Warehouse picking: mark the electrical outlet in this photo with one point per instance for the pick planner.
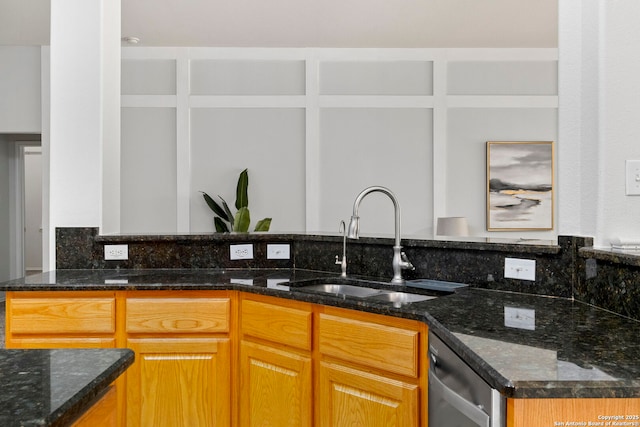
(516, 268)
(280, 251)
(241, 251)
(633, 177)
(116, 252)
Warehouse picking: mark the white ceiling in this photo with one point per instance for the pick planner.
(310, 23)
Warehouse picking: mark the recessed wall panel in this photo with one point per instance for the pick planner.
(362, 147)
(148, 170)
(247, 77)
(148, 77)
(267, 141)
(376, 78)
(502, 78)
(468, 131)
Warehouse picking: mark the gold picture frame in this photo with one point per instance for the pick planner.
(520, 185)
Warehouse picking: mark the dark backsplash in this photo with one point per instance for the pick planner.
(568, 269)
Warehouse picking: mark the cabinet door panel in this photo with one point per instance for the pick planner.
(349, 397)
(38, 316)
(275, 387)
(371, 344)
(284, 325)
(179, 382)
(178, 315)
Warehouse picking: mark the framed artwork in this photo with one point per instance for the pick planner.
(519, 185)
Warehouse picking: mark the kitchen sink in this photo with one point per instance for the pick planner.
(397, 298)
(341, 290)
(400, 297)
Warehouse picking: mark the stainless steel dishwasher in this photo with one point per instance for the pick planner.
(458, 397)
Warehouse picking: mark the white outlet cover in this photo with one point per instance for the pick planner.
(278, 251)
(116, 252)
(517, 268)
(237, 252)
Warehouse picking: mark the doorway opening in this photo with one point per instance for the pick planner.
(27, 215)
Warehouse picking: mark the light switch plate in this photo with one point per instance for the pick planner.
(241, 251)
(632, 177)
(278, 251)
(517, 268)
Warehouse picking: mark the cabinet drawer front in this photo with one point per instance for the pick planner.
(371, 344)
(284, 325)
(62, 315)
(174, 315)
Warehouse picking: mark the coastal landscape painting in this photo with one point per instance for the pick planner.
(519, 185)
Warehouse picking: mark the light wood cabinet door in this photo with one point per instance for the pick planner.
(178, 382)
(275, 387)
(377, 345)
(62, 319)
(351, 397)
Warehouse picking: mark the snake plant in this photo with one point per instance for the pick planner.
(225, 221)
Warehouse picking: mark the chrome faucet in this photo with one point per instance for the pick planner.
(400, 261)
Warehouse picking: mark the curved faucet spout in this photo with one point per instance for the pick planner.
(354, 224)
(400, 260)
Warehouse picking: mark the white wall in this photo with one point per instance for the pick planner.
(83, 125)
(316, 126)
(599, 124)
(20, 97)
(620, 118)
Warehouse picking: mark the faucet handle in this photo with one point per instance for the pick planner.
(405, 263)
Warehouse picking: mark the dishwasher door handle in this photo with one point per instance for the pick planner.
(470, 410)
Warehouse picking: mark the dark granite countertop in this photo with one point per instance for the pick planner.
(54, 387)
(546, 347)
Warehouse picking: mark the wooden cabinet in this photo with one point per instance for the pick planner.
(179, 382)
(182, 372)
(222, 358)
(565, 412)
(60, 320)
(355, 397)
(370, 370)
(275, 363)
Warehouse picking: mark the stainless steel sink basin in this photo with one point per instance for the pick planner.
(400, 298)
(342, 289)
(397, 298)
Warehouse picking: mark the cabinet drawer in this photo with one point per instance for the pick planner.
(62, 315)
(175, 315)
(284, 325)
(378, 346)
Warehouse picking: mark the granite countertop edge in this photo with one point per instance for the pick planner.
(83, 400)
(416, 311)
(72, 403)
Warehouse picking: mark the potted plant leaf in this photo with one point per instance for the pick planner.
(225, 221)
